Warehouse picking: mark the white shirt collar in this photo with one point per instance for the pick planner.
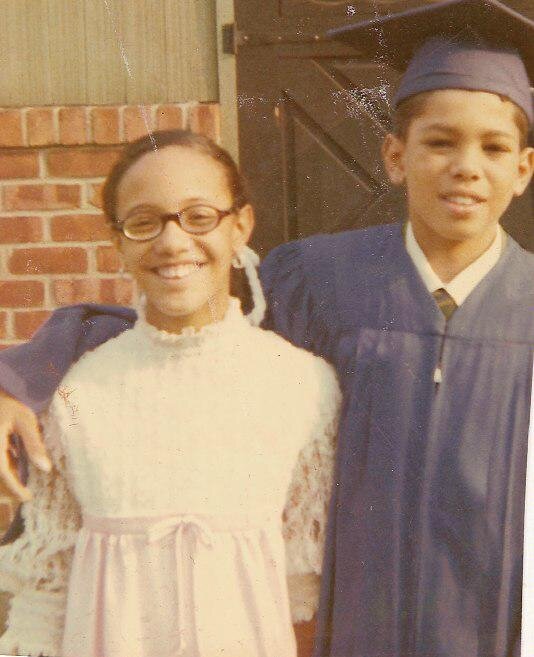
(461, 286)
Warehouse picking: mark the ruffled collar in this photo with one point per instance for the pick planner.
(190, 338)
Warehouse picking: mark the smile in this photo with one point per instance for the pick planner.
(463, 199)
(177, 272)
(462, 203)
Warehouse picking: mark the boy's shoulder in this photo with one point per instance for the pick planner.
(519, 254)
(369, 242)
(518, 273)
(320, 260)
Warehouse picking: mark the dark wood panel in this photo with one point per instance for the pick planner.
(337, 10)
(324, 195)
(316, 16)
(260, 140)
(346, 113)
(306, 18)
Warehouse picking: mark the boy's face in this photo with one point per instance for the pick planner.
(461, 163)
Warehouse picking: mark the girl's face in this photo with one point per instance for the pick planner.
(462, 164)
(185, 277)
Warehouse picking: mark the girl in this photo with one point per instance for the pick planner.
(177, 445)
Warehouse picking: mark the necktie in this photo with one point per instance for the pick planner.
(446, 303)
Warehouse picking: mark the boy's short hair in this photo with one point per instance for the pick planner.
(413, 107)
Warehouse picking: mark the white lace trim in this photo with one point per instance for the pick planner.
(35, 568)
(306, 510)
(36, 622)
(190, 337)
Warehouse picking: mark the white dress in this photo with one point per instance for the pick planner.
(192, 474)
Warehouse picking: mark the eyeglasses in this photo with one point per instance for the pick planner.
(144, 225)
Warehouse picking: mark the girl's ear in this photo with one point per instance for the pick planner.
(115, 237)
(392, 152)
(114, 234)
(243, 226)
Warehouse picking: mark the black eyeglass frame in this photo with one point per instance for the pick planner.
(178, 216)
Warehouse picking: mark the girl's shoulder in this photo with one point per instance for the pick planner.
(306, 385)
(107, 357)
(297, 363)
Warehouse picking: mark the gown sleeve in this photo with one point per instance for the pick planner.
(35, 568)
(307, 503)
(298, 284)
(31, 372)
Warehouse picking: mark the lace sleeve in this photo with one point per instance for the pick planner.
(35, 568)
(306, 511)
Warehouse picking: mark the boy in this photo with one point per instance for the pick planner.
(431, 329)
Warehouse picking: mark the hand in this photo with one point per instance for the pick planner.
(15, 417)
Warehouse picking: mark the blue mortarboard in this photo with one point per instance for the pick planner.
(479, 45)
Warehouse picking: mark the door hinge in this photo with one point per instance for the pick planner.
(229, 41)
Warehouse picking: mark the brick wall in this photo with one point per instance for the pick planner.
(54, 243)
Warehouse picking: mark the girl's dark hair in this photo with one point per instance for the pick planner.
(161, 139)
(413, 107)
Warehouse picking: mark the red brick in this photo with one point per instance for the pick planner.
(20, 229)
(72, 128)
(3, 328)
(27, 322)
(19, 294)
(11, 128)
(84, 290)
(116, 290)
(135, 122)
(19, 164)
(95, 191)
(40, 127)
(107, 259)
(105, 124)
(170, 117)
(79, 162)
(41, 197)
(204, 118)
(48, 260)
(79, 228)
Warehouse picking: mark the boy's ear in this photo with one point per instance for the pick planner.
(392, 152)
(526, 168)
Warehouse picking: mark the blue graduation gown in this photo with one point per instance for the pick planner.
(32, 371)
(424, 549)
(424, 546)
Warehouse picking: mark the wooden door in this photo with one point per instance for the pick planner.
(312, 115)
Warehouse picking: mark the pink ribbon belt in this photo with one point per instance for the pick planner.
(190, 531)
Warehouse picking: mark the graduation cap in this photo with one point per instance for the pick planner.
(479, 45)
